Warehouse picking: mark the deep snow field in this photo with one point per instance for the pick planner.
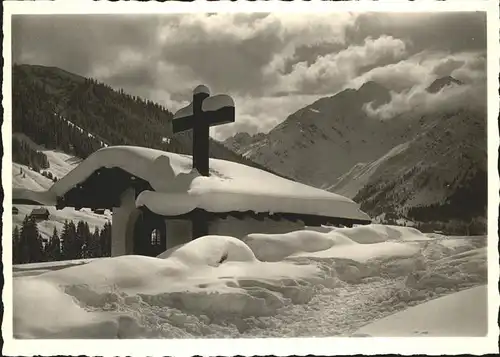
(329, 282)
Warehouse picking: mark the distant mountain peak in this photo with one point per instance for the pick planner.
(374, 92)
(370, 86)
(442, 82)
(242, 139)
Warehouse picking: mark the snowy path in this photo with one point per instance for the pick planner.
(330, 313)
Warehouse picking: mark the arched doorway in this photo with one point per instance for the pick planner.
(150, 235)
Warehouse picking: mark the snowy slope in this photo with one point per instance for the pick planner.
(59, 165)
(355, 179)
(335, 131)
(223, 287)
(58, 217)
(81, 130)
(445, 162)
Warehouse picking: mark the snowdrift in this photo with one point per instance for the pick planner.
(360, 243)
(461, 314)
(211, 277)
(211, 250)
(231, 186)
(303, 283)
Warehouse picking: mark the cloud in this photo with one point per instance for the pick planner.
(408, 80)
(272, 64)
(77, 43)
(246, 58)
(438, 31)
(419, 100)
(446, 67)
(331, 72)
(424, 67)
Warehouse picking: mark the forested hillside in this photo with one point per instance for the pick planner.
(23, 153)
(77, 115)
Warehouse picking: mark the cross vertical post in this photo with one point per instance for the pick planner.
(202, 113)
(200, 134)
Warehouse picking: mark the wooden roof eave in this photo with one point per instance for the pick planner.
(309, 220)
(89, 193)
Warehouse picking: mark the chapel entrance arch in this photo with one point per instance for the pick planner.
(150, 234)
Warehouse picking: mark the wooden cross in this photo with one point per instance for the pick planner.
(202, 113)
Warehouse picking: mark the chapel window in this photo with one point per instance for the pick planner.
(155, 237)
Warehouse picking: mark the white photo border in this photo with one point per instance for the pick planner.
(268, 346)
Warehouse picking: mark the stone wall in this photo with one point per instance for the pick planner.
(239, 228)
(123, 223)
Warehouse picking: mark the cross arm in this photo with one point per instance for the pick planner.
(221, 116)
(182, 124)
(183, 119)
(219, 109)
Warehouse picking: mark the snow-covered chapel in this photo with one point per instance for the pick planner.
(161, 199)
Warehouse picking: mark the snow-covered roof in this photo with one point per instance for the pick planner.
(40, 211)
(177, 189)
(26, 196)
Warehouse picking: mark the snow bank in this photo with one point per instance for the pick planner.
(375, 233)
(315, 284)
(365, 252)
(360, 243)
(211, 250)
(211, 277)
(275, 247)
(39, 268)
(460, 314)
(231, 186)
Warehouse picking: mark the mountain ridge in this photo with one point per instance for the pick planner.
(400, 165)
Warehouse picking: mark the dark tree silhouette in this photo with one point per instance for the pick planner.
(30, 243)
(53, 249)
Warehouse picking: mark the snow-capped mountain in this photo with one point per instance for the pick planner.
(335, 131)
(240, 141)
(443, 82)
(410, 160)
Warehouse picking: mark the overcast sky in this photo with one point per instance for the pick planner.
(271, 64)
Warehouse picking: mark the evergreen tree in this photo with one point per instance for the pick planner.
(72, 245)
(105, 240)
(31, 247)
(22, 153)
(16, 253)
(94, 245)
(80, 238)
(53, 249)
(44, 244)
(65, 241)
